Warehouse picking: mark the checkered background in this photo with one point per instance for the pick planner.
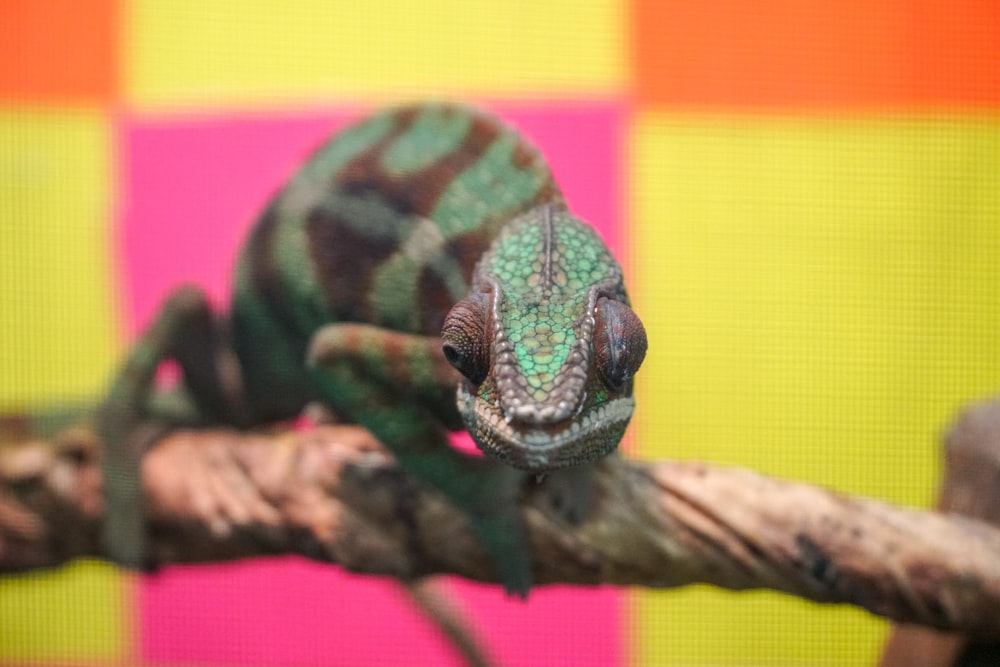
(806, 197)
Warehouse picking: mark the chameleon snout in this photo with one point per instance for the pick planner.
(545, 447)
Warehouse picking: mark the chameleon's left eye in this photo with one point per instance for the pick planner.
(464, 340)
(619, 342)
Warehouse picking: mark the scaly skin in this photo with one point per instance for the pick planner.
(422, 240)
(551, 398)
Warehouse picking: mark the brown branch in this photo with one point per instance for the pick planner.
(332, 494)
(971, 487)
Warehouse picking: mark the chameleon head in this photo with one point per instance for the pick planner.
(547, 345)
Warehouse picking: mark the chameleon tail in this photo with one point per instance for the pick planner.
(436, 605)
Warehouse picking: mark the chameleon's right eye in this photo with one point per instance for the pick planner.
(464, 339)
(619, 342)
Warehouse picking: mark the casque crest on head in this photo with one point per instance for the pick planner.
(547, 343)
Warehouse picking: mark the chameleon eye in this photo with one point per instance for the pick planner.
(464, 340)
(619, 342)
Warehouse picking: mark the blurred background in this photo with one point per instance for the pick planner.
(806, 198)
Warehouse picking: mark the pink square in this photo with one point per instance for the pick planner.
(191, 189)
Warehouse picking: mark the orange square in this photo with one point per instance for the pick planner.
(58, 50)
(787, 54)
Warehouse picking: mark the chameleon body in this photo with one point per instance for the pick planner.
(422, 250)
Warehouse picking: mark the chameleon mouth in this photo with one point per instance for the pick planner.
(585, 438)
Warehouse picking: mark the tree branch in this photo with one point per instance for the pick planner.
(334, 495)
(971, 487)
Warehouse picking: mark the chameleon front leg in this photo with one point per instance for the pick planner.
(401, 388)
(134, 414)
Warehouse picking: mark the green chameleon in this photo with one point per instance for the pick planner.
(419, 274)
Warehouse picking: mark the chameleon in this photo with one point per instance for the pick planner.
(419, 274)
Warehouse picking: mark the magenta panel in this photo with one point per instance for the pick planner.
(558, 625)
(282, 612)
(191, 188)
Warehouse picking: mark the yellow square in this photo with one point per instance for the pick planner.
(186, 52)
(70, 614)
(55, 303)
(821, 297)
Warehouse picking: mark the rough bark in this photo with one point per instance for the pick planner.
(971, 487)
(334, 495)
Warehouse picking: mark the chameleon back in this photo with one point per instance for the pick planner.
(382, 225)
